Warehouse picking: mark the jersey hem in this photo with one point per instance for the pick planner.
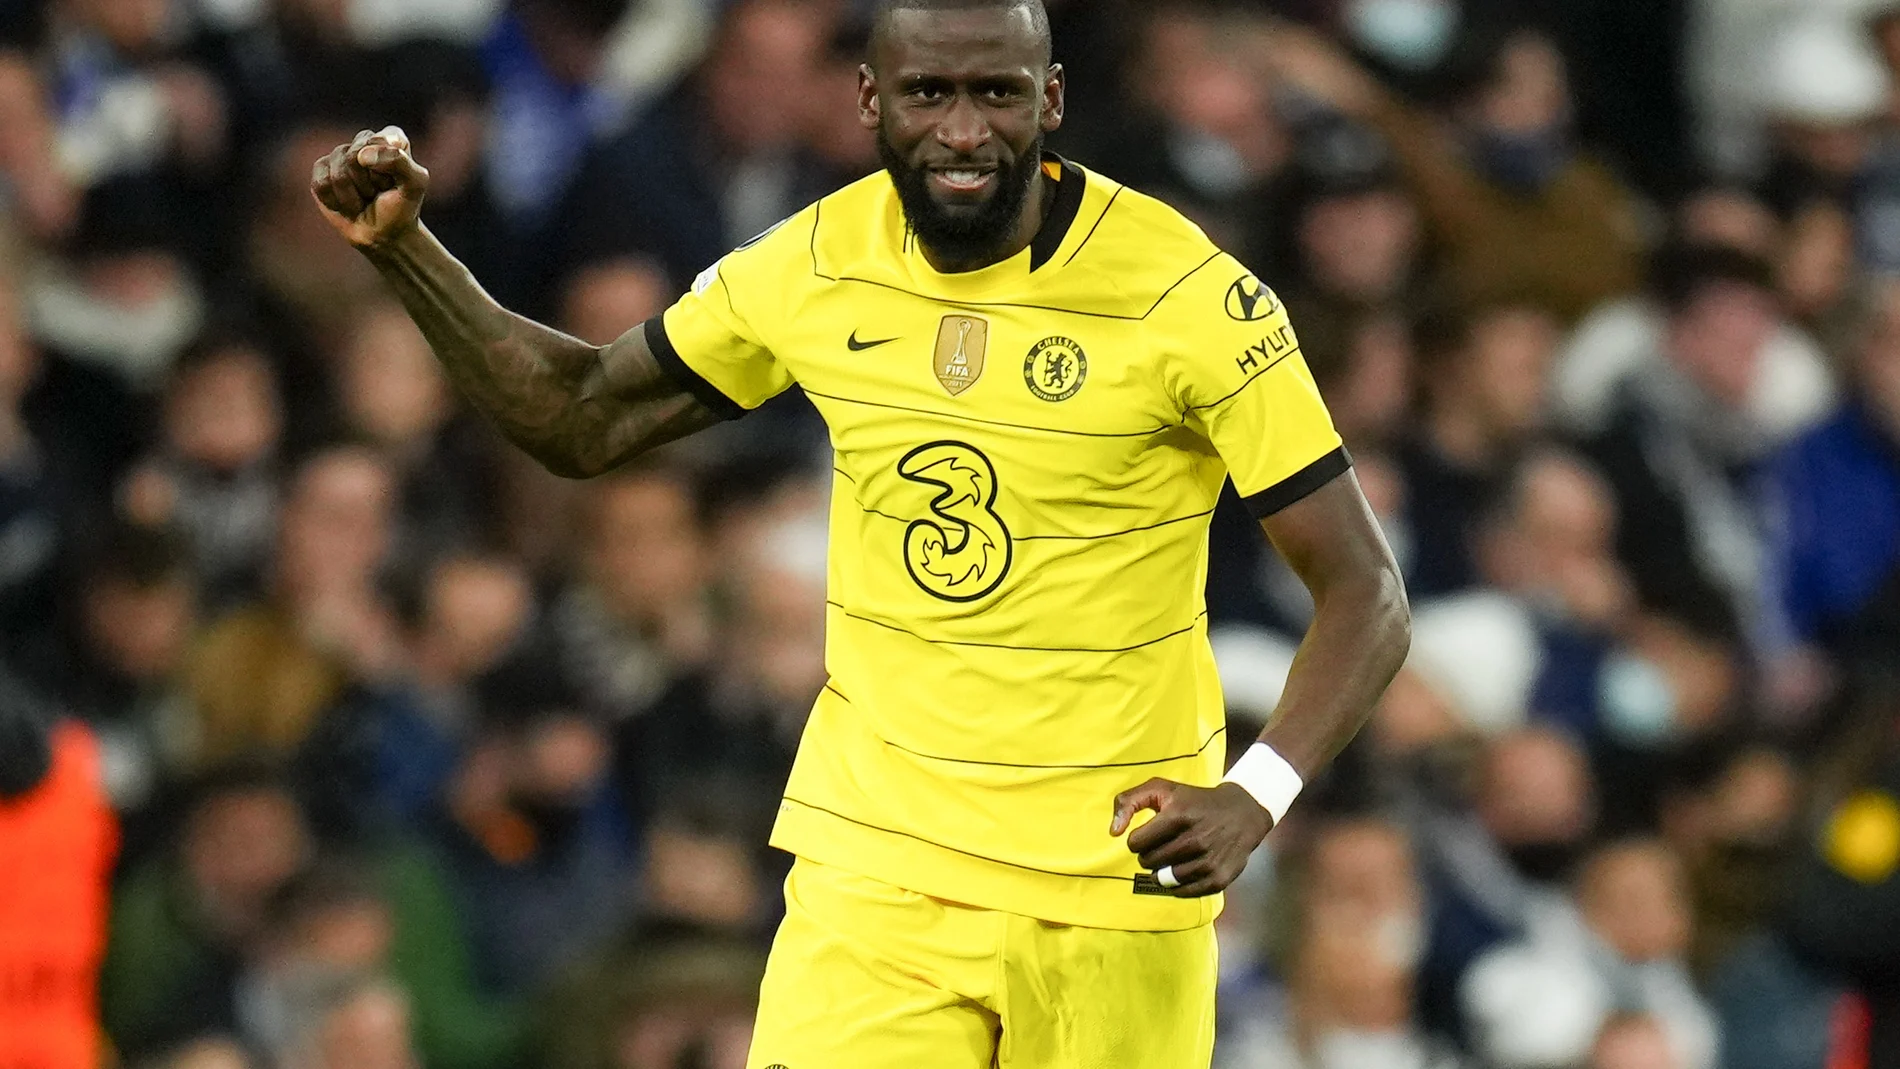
(676, 368)
(1299, 484)
(926, 868)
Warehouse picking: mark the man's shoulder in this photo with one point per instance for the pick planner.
(833, 228)
(1145, 248)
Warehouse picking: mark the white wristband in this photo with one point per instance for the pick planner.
(1266, 775)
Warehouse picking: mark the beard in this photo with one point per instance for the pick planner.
(962, 235)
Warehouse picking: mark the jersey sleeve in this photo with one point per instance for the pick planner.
(716, 340)
(1236, 374)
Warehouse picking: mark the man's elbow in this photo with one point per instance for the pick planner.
(1399, 604)
(568, 464)
(1391, 613)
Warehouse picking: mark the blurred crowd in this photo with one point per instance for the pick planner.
(336, 735)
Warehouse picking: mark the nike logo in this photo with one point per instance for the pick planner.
(857, 346)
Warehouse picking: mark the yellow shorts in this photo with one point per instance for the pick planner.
(864, 975)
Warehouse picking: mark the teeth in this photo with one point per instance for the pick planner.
(963, 177)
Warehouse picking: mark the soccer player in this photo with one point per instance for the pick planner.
(1037, 382)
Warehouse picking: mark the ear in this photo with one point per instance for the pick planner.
(870, 109)
(1054, 97)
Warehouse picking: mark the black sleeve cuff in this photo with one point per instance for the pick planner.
(1299, 484)
(685, 377)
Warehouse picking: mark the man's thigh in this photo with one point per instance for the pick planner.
(1089, 998)
(869, 976)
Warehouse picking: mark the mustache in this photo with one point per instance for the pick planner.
(966, 233)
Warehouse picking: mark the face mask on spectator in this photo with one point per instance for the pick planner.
(1547, 862)
(1638, 705)
(1348, 1049)
(1400, 938)
(556, 820)
(1521, 163)
(1412, 35)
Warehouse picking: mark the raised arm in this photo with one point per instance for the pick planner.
(579, 409)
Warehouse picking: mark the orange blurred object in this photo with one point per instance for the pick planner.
(57, 843)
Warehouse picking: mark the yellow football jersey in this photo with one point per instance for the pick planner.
(1027, 456)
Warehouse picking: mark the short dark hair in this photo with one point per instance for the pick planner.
(138, 557)
(595, 18)
(1680, 274)
(880, 21)
(1475, 64)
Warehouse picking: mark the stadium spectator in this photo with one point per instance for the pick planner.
(1492, 861)
(1794, 384)
(1364, 365)
(1202, 132)
(1815, 268)
(214, 477)
(111, 317)
(359, 1023)
(1484, 378)
(58, 837)
(1731, 812)
(118, 662)
(476, 612)
(1543, 1000)
(1356, 936)
(1836, 550)
(1682, 444)
(394, 397)
(127, 101)
(636, 614)
(1358, 234)
(1522, 214)
(263, 675)
(670, 996)
(42, 202)
(1827, 95)
(383, 918)
(1557, 617)
(603, 300)
(34, 500)
(534, 839)
(306, 60)
(183, 921)
(738, 721)
(719, 157)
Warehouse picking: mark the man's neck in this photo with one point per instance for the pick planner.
(1029, 222)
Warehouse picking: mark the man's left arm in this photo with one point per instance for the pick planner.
(1361, 630)
(1232, 365)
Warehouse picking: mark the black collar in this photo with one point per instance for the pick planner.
(1061, 214)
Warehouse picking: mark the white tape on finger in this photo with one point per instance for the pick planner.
(1165, 876)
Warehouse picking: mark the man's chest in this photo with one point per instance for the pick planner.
(1057, 422)
(879, 362)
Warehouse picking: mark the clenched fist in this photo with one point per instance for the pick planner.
(371, 189)
(1202, 836)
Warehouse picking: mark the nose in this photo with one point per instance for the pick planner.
(963, 129)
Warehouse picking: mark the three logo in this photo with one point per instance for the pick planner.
(961, 550)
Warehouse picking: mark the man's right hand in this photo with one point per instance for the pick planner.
(371, 189)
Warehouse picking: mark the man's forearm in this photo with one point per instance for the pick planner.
(1359, 636)
(575, 407)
